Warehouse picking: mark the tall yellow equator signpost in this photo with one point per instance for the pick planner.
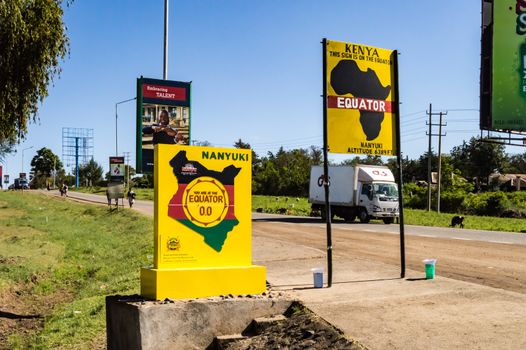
(360, 114)
(203, 224)
(359, 100)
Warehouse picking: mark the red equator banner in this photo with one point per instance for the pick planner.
(363, 104)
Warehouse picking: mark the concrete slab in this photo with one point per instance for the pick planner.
(183, 324)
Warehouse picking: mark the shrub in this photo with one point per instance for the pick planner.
(451, 201)
(415, 196)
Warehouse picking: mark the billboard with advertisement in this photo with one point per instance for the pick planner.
(360, 82)
(503, 65)
(163, 116)
(117, 169)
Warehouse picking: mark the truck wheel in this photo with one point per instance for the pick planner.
(324, 215)
(388, 221)
(364, 217)
(350, 218)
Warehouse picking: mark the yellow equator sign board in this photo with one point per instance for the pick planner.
(360, 84)
(203, 224)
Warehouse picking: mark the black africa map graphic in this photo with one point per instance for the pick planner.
(348, 78)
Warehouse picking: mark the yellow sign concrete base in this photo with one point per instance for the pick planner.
(186, 283)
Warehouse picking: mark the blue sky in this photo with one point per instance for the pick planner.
(256, 69)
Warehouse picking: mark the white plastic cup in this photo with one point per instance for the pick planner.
(317, 274)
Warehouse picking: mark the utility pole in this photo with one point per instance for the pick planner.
(429, 154)
(440, 125)
(25, 149)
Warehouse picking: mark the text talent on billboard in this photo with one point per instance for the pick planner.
(163, 117)
(503, 65)
(360, 81)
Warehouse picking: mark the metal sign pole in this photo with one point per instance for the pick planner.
(165, 52)
(326, 168)
(396, 114)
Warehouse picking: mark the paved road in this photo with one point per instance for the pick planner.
(422, 231)
(146, 207)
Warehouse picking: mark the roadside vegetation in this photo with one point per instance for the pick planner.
(59, 259)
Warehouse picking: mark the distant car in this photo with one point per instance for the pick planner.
(21, 184)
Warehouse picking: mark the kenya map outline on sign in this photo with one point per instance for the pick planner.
(187, 172)
(348, 78)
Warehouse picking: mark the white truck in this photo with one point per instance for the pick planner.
(363, 191)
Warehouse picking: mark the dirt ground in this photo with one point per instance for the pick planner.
(301, 329)
(22, 313)
(491, 264)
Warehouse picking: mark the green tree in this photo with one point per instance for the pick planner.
(478, 158)
(44, 162)
(286, 173)
(368, 160)
(516, 164)
(6, 147)
(144, 181)
(415, 170)
(32, 42)
(316, 155)
(42, 165)
(240, 144)
(256, 161)
(90, 173)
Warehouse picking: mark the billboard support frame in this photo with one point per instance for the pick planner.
(396, 112)
(328, 215)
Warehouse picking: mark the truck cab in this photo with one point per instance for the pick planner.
(380, 200)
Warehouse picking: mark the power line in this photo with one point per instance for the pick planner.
(413, 113)
(414, 139)
(413, 120)
(319, 137)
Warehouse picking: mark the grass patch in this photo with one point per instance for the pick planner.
(75, 252)
(491, 223)
(281, 205)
